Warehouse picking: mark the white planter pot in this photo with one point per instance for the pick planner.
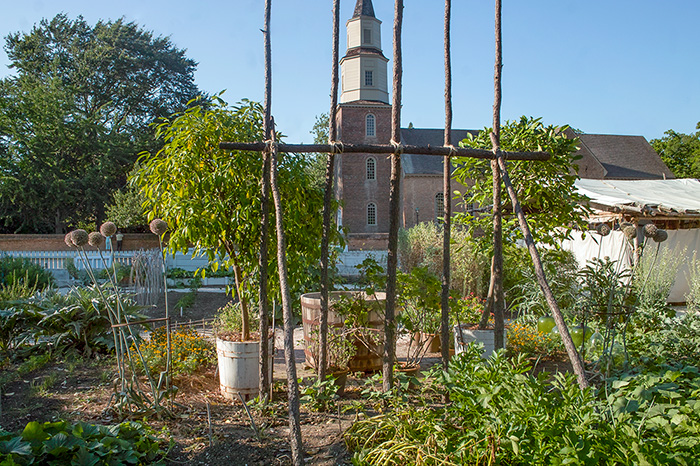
(464, 336)
(239, 368)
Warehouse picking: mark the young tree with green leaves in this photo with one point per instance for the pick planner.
(76, 113)
(680, 152)
(545, 189)
(211, 197)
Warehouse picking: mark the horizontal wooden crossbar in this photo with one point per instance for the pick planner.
(440, 151)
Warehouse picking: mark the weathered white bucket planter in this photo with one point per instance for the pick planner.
(239, 368)
(464, 336)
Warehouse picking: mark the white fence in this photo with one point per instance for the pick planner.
(349, 260)
(56, 260)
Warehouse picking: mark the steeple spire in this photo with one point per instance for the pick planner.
(364, 8)
(363, 69)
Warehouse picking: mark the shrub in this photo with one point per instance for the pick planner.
(190, 351)
(17, 269)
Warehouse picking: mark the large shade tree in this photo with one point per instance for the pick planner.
(211, 198)
(680, 152)
(76, 112)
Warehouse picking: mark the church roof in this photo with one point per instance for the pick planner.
(623, 157)
(364, 8)
(417, 164)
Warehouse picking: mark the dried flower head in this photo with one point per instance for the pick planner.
(630, 232)
(660, 236)
(650, 230)
(95, 239)
(108, 229)
(624, 225)
(79, 237)
(68, 240)
(603, 229)
(158, 227)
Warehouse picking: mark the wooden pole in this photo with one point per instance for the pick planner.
(327, 198)
(264, 382)
(447, 198)
(439, 151)
(289, 356)
(394, 205)
(496, 289)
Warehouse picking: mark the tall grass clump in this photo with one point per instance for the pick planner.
(421, 246)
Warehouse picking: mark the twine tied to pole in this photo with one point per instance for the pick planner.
(337, 147)
(398, 147)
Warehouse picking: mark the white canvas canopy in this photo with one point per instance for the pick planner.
(674, 198)
(646, 201)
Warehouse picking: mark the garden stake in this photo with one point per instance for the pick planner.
(209, 422)
(250, 417)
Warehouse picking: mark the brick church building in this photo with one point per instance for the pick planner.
(364, 117)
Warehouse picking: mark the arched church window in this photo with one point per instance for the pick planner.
(439, 206)
(371, 169)
(371, 213)
(370, 125)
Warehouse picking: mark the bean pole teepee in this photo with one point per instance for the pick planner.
(270, 149)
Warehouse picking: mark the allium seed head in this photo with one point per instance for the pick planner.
(650, 230)
(624, 225)
(95, 239)
(630, 232)
(158, 227)
(108, 229)
(68, 240)
(603, 229)
(660, 236)
(79, 237)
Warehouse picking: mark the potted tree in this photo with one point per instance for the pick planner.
(211, 198)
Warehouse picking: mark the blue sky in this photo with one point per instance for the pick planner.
(612, 67)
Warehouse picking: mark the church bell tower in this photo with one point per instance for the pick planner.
(364, 117)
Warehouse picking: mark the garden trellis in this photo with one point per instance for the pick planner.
(270, 148)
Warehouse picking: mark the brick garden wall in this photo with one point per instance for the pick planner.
(132, 241)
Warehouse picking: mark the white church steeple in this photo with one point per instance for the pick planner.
(363, 69)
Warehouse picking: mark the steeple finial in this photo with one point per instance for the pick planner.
(363, 8)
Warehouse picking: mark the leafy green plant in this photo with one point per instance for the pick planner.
(18, 324)
(322, 395)
(526, 296)
(229, 318)
(18, 269)
(82, 443)
(341, 348)
(78, 320)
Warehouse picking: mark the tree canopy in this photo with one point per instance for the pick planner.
(545, 189)
(680, 152)
(211, 198)
(77, 112)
